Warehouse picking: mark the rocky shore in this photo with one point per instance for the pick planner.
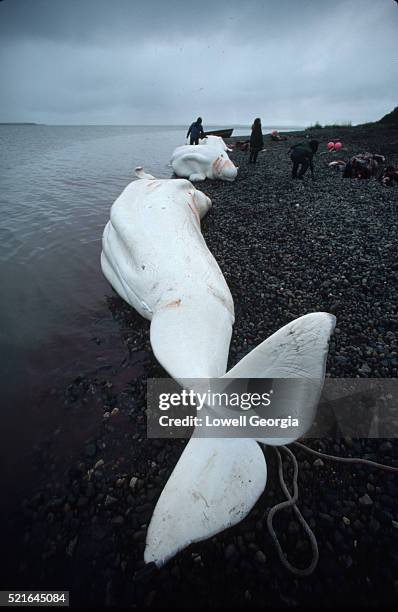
(286, 248)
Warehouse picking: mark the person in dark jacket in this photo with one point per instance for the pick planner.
(302, 157)
(196, 131)
(256, 141)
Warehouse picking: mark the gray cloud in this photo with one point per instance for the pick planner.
(122, 61)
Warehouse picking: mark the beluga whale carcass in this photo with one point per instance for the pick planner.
(155, 257)
(199, 162)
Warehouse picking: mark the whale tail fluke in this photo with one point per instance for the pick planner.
(214, 485)
(216, 482)
(296, 351)
(141, 174)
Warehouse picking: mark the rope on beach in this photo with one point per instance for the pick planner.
(292, 499)
(291, 502)
(374, 464)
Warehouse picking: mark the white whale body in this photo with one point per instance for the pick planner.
(155, 257)
(198, 162)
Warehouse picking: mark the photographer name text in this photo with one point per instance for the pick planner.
(240, 421)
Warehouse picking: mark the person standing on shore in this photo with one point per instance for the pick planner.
(196, 131)
(256, 141)
(301, 155)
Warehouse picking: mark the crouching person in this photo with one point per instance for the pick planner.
(302, 157)
(389, 176)
(363, 166)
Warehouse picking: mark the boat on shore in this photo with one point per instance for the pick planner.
(223, 133)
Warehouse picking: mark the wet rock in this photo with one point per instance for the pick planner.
(326, 519)
(70, 549)
(365, 369)
(82, 501)
(374, 525)
(133, 483)
(146, 573)
(347, 561)
(357, 525)
(293, 527)
(386, 447)
(231, 552)
(91, 450)
(260, 557)
(139, 536)
(110, 500)
(365, 500)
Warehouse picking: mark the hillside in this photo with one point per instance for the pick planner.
(390, 118)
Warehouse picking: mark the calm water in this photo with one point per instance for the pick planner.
(57, 185)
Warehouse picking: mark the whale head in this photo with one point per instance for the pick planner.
(224, 168)
(197, 200)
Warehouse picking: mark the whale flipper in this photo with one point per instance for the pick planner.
(297, 350)
(141, 174)
(196, 177)
(190, 164)
(214, 485)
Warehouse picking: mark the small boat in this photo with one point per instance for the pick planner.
(223, 133)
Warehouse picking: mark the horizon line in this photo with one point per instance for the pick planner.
(213, 125)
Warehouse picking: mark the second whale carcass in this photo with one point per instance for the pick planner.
(199, 162)
(154, 255)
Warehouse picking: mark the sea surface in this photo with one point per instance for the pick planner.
(57, 184)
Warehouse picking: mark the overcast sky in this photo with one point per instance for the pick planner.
(291, 62)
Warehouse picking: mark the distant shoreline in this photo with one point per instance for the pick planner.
(19, 123)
